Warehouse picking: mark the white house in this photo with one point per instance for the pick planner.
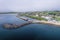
(47, 17)
(37, 15)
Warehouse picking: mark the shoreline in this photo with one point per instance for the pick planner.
(43, 22)
(48, 22)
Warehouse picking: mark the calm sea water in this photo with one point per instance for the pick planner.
(29, 32)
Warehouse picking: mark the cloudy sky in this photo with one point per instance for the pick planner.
(29, 5)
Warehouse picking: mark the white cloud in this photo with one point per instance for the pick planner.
(29, 5)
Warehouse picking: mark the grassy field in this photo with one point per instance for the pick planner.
(54, 14)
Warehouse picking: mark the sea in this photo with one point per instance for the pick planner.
(28, 32)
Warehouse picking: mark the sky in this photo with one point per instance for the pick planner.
(28, 5)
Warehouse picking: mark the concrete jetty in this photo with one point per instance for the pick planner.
(23, 18)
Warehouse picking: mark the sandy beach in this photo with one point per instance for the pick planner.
(47, 22)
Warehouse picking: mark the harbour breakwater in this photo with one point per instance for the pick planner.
(14, 26)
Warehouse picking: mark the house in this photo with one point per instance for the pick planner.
(37, 15)
(47, 17)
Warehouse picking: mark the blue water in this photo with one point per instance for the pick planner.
(29, 32)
